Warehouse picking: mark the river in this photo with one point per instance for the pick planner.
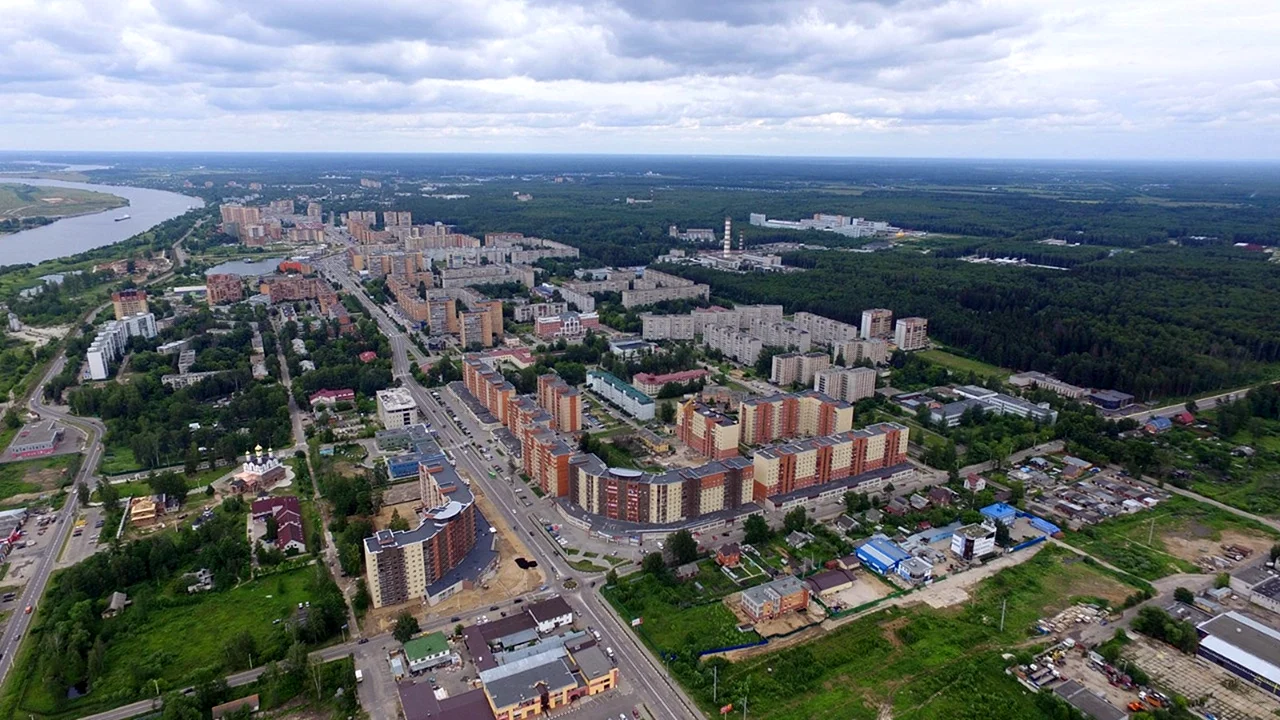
(69, 236)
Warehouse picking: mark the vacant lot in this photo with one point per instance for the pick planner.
(1166, 539)
(29, 477)
(917, 662)
(963, 364)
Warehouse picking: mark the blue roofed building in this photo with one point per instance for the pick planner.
(881, 554)
(1158, 425)
(1002, 513)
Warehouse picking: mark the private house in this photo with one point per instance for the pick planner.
(729, 555)
(551, 614)
(774, 598)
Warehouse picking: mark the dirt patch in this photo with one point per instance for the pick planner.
(407, 511)
(890, 630)
(781, 625)
(1192, 549)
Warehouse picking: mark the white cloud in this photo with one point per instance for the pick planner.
(1093, 78)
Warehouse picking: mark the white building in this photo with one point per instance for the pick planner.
(824, 330)
(551, 614)
(973, 541)
(875, 351)
(110, 342)
(396, 408)
(847, 384)
(632, 401)
(877, 323)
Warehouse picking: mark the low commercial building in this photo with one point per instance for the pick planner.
(1243, 646)
(566, 325)
(1038, 380)
(396, 408)
(651, 384)
(1001, 513)
(321, 398)
(428, 651)
(36, 439)
(551, 614)
(1266, 594)
(881, 555)
(774, 598)
(990, 401)
(1110, 399)
(630, 400)
(547, 681)
(973, 541)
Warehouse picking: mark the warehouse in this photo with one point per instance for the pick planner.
(1244, 646)
(881, 554)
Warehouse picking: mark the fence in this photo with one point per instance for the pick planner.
(758, 643)
(1028, 543)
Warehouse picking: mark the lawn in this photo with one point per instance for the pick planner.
(32, 476)
(118, 459)
(1137, 543)
(177, 637)
(963, 364)
(681, 616)
(914, 663)
(20, 200)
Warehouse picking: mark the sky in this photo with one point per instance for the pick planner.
(1106, 79)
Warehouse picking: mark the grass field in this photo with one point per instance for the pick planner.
(176, 639)
(118, 459)
(32, 476)
(1140, 543)
(22, 201)
(914, 663)
(963, 364)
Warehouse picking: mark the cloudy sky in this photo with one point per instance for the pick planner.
(946, 78)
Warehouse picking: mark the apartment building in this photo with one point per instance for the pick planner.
(877, 323)
(797, 368)
(786, 468)
(110, 342)
(847, 384)
(533, 311)
(655, 286)
(393, 218)
(314, 210)
(129, 302)
(738, 346)
(686, 327)
(651, 384)
(566, 325)
(306, 233)
(787, 415)
(824, 330)
(632, 401)
(545, 457)
(562, 402)
(709, 433)
(853, 352)
(396, 408)
(780, 334)
(911, 333)
(455, 277)
(235, 216)
(405, 565)
(488, 387)
(668, 497)
(578, 299)
(775, 598)
(475, 328)
(442, 316)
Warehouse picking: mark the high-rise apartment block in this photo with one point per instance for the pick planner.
(707, 432)
(783, 469)
(911, 333)
(853, 352)
(110, 342)
(222, 288)
(738, 346)
(784, 416)
(401, 565)
(475, 329)
(877, 323)
(392, 218)
(129, 302)
(792, 368)
(824, 330)
(314, 210)
(562, 402)
(396, 408)
(847, 384)
(668, 497)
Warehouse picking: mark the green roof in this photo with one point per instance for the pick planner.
(426, 646)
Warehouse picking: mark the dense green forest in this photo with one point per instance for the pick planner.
(1164, 321)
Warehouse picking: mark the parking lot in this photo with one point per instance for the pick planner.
(1227, 695)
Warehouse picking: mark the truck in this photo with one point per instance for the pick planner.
(359, 675)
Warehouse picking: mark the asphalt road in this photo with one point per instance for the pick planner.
(20, 622)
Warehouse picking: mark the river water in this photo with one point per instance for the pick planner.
(147, 208)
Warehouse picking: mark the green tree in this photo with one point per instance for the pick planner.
(361, 601)
(684, 549)
(397, 522)
(667, 412)
(191, 463)
(273, 529)
(611, 578)
(1003, 538)
(756, 529)
(1183, 595)
(795, 520)
(406, 627)
(1275, 552)
(653, 564)
(1222, 580)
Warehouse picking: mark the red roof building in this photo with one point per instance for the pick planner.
(368, 356)
(329, 397)
(1184, 418)
(288, 515)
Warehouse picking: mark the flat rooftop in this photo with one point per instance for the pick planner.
(1244, 641)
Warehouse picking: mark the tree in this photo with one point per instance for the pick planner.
(611, 578)
(654, 565)
(406, 628)
(110, 496)
(1222, 580)
(273, 529)
(1275, 552)
(667, 412)
(191, 462)
(397, 522)
(756, 529)
(584, 442)
(361, 601)
(1003, 539)
(796, 520)
(1183, 595)
(684, 549)
(457, 630)
(1192, 407)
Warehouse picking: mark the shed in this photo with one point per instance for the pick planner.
(119, 601)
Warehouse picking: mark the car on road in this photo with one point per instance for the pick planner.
(362, 641)
(28, 610)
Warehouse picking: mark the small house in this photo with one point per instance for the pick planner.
(1157, 425)
(975, 483)
(729, 555)
(1184, 418)
(798, 540)
(941, 496)
(918, 502)
(116, 605)
(846, 524)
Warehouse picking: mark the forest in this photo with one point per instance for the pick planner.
(1161, 322)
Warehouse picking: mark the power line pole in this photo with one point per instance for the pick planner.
(715, 683)
(1003, 605)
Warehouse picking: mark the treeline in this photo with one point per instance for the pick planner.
(1159, 322)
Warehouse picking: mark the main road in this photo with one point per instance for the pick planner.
(93, 430)
(634, 661)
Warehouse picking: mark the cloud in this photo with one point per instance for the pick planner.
(882, 77)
